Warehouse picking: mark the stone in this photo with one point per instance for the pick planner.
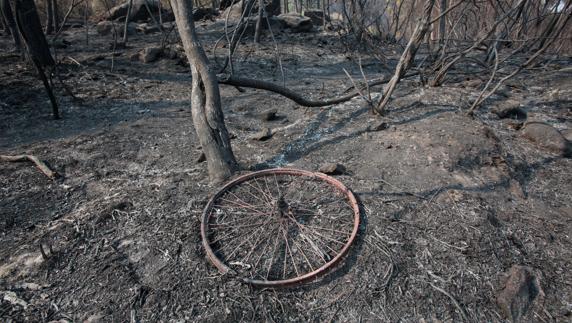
(567, 133)
(204, 13)
(316, 15)
(295, 22)
(332, 169)
(148, 28)
(150, 54)
(13, 299)
(170, 54)
(104, 28)
(268, 115)
(510, 109)
(138, 12)
(202, 157)
(519, 293)
(378, 126)
(262, 135)
(234, 11)
(547, 137)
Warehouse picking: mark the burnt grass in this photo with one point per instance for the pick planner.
(449, 202)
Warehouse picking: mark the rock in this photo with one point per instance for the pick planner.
(262, 135)
(472, 83)
(378, 126)
(134, 57)
(104, 28)
(510, 109)
(295, 22)
(148, 29)
(520, 292)
(332, 169)
(567, 133)
(95, 318)
(13, 299)
(138, 11)
(234, 11)
(61, 43)
(547, 137)
(268, 115)
(316, 15)
(204, 14)
(150, 54)
(170, 54)
(202, 157)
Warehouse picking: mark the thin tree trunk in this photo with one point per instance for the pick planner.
(127, 18)
(206, 110)
(442, 24)
(408, 55)
(85, 22)
(49, 17)
(160, 7)
(56, 9)
(258, 30)
(6, 11)
(31, 30)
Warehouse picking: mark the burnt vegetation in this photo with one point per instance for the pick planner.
(450, 121)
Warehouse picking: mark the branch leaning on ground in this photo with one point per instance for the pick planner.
(40, 164)
(286, 92)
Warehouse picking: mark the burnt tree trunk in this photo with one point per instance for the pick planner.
(30, 28)
(258, 30)
(49, 17)
(8, 15)
(56, 10)
(206, 109)
(127, 19)
(408, 56)
(442, 24)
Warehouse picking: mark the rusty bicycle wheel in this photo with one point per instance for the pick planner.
(279, 227)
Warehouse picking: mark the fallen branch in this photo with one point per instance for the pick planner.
(40, 164)
(268, 86)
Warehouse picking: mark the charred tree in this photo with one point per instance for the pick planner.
(127, 19)
(408, 56)
(8, 16)
(30, 28)
(206, 110)
(52, 17)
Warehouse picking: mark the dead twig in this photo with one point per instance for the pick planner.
(40, 164)
(457, 305)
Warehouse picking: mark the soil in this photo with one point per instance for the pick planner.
(449, 202)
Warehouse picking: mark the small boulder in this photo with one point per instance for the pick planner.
(519, 292)
(204, 14)
(268, 115)
(510, 109)
(262, 135)
(295, 22)
(202, 158)
(148, 28)
(150, 54)
(104, 28)
(234, 11)
(379, 126)
(316, 15)
(332, 169)
(567, 133)
(547, 137)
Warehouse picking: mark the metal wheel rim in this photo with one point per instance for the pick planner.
(223, 268)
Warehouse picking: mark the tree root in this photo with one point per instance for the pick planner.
(40, 164)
